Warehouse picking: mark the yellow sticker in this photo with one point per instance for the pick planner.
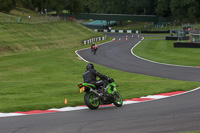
(82, 89)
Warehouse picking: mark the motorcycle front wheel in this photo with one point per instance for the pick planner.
(118, 101)
(90, 100)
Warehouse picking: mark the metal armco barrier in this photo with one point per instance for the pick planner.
(177, 38)
(130, 31)
(118, 31)
(186, 45)
(96, 39)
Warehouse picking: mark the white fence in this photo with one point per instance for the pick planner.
(96, 39)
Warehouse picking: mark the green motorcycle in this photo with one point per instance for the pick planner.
(93, 97)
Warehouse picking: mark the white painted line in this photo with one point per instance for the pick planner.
(80, 56)
(10, 114)
(69, 108)
(129, 102)
(155, 96)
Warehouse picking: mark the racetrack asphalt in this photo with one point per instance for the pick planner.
(117, 55)
(169, 115)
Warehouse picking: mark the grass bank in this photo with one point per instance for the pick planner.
(39, 69)
(191, 132)
(163, 51)
(17, 38)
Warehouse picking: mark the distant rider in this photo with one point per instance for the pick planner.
(92, 46)
(95, 47)
(90, 75)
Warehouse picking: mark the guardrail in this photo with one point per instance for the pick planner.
(131, 31)
(186, 45)
(117, 31)
(95, 39)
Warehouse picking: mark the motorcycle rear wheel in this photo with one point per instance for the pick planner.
(90, 102)
(118, 101)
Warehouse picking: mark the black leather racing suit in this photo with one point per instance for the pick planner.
(90, 75)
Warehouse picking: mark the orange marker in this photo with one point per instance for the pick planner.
(65, 101)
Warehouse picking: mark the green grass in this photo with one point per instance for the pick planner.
(25, 37)
(39, 68)
(192, 132)
(163, 51)
(42, 80)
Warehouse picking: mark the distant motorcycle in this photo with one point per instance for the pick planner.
(94, 49)
(93, 98)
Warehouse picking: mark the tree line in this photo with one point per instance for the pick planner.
(176, 9)
(73, 6)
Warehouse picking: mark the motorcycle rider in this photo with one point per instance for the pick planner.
(90, 75)
(92, 46)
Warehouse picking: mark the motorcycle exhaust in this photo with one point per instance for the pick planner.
(98, 94)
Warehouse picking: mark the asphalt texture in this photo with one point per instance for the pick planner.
(169, 115)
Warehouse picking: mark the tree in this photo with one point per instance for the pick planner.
(141, 7)
(58, 5)
(74, 6)
(185, 10)
(163, 8)
(192, 7)
(26, 4)
(177, 11)
(6, 5)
